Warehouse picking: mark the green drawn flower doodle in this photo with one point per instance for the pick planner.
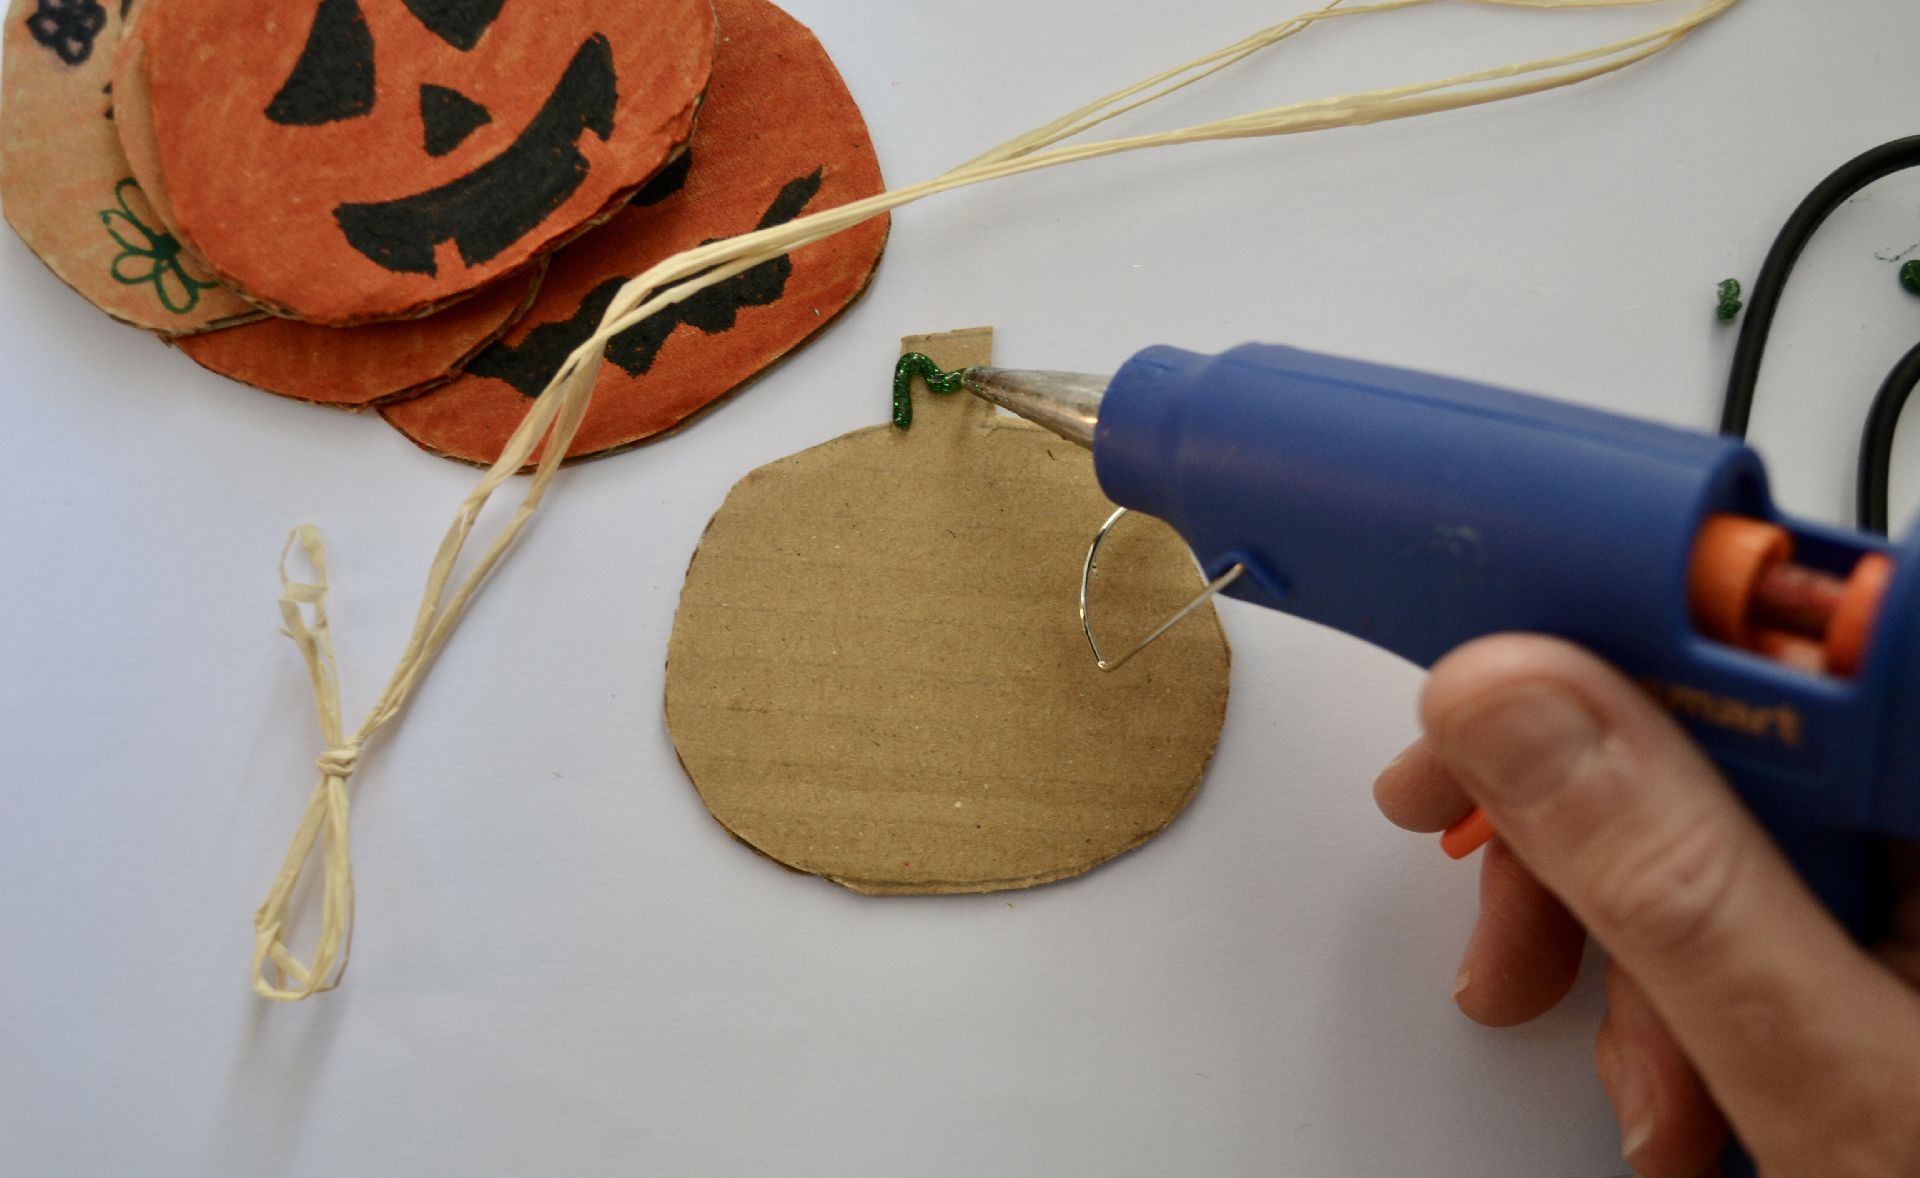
(177, 290)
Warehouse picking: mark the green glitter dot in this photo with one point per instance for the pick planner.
(1910, 277)
(911, 365)
(1729, 307)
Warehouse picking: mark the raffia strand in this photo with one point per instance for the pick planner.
(554, 416)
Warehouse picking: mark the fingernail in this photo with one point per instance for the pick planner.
(1521, 742)
(1633, 1105)
(1634, 1140)
(1461, 983)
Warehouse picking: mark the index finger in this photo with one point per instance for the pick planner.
(1794, 1028)
(1416, 792)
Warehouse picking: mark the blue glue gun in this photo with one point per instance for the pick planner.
(1419, 512)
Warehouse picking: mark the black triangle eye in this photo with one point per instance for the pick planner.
(449, 117)
(333, 79)
(460, 23)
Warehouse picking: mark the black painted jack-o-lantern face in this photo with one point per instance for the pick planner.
(350, 160)
(779, 137)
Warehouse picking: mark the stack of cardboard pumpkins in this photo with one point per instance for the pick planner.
(422, 206)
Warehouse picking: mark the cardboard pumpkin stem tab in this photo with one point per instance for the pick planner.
(910, 366)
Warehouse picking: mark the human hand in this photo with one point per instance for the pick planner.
(1732, 996)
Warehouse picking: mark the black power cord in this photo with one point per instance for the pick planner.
(1876, 446)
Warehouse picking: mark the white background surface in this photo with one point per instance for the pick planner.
(564, 966)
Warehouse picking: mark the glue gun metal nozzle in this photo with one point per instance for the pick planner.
(1067, 403)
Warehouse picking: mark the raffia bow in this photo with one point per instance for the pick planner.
(277, 973)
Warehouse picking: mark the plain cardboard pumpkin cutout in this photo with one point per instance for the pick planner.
(342, 161)
(875, 673)
(779, 136)
(67, 187)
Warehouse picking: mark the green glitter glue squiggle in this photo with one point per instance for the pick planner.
(911, 365)
(1729, 307)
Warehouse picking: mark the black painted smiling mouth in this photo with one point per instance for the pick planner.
(507, 197)
(528, 365)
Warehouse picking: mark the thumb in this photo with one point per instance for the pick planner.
(1793, 1028)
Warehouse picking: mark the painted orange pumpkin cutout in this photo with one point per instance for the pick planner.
(343, 161)
(779, 135)
(353, 367)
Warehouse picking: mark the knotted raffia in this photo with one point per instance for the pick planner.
(554, 416)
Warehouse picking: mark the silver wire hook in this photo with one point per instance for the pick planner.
(1086, 614)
